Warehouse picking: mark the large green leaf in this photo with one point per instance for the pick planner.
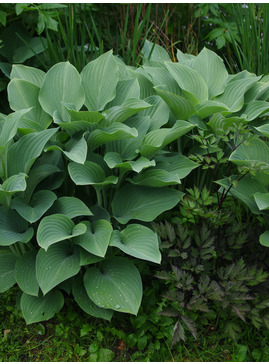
(129, 108)
(25, 273)
(138, 241)
(60, 262)
(129, 148)
(86, 304)
(210, 107)
(181, 107)
(158, 113)
(115, 131)
(233, 96)
(30, 74)
(255, 109)
(154, 52)
(62, 83)
(251, 153)
(156, 177)
(113, 160)
(262, 200)
(142, 203)
(70, 207)
(40, 203)
(89, 174)
(75, 149)
(7, 266)
(23, 95)
(211, 67)
(24, 152)
(190, 81)
(264, 129)
(99, 79)
(126, 89)
(13, 228)
(96, 238)
(12, 185)
(157, 139)
(245, 189)
(176, 163)
(115, 285)
(35, 309)
(162, 78)
(55, 228)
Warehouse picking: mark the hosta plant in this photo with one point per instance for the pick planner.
(85, 169)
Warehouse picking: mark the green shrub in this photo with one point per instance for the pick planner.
(88, 161)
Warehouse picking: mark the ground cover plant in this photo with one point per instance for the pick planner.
(89, 160)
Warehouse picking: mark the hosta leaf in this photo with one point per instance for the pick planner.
(129, 108)
(86, 304)
(13, 228)
(56, 228)
(116, 131)
(115, 285)
(128, 148)
(87, 258)
(264, 238)
(233, 95)
(181, 107)
(25, 273)
(113, 160)
(89, 174)
(10, 126)
(156, 178)
(244, 191)
(90, 117)
(138, 241)
(96, 238)
(57, 264)
(154, 52)
(23, 153)
(185, 59)
(210, 107)
(262, 200)
(23, 95)
(264, 129)
(251, 152)
(16, 183)
(75, 149)
(175, 163)
(126, 89)
(218, 122)
(211, 67)
(157, 139)
(35, 309)
(190, 81)
(7, 266)
(30, 74)
(40, 203)
(142, 203)
(158, 113)
(62, 83)
(255, 109)
(70, 207)
(162, 78)
(99, 79)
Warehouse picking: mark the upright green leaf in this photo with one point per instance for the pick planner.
(99, 79)
(154, 52)
(30, 74)
(60, 262)
(115, 285)
(7, 266)
(25, 273)
(62, 83)
(70, 207)
(23, 153)
(211, 67)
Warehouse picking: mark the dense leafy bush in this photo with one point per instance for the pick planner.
(78, 196)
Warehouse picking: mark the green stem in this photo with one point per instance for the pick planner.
(14, 251)
(99, 196)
